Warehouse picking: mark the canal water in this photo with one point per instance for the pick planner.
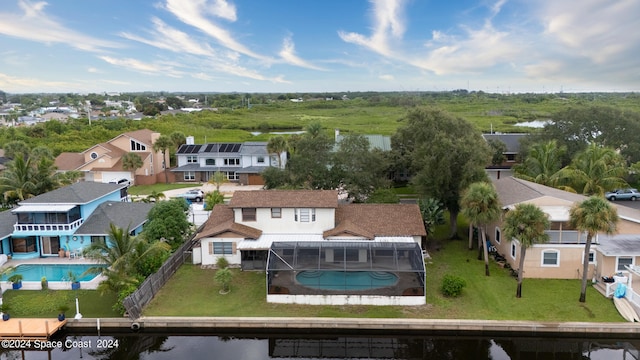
(288, 346)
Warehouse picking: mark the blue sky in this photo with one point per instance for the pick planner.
(319, 46)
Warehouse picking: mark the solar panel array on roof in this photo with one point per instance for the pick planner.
(189, 149)
(229, 148)
(210, 148)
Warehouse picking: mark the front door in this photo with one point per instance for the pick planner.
(50, 245)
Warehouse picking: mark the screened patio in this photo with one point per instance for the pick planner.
(367, 269)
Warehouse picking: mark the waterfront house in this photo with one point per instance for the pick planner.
(239, 162)
(68, 219)
(562, 256)
(103, 162)
(291, 231)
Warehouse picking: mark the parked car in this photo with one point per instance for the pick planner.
(121, 181)
(193, 195)
(623, 194)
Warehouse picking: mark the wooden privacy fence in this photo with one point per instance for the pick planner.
(152, 284)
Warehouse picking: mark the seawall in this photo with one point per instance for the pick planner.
(269, 325)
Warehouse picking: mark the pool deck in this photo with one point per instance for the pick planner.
(54, 285)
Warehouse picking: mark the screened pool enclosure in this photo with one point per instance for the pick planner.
(348, 272)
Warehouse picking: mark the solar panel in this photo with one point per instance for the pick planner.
(223, 148)
(236, 147)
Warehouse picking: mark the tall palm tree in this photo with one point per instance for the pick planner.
(594, 171)
(178, 138)
(132, 162)
(277, 145)
(162, 144)
(480, 205)
(527, 223)
(592, 216)
(542, 162)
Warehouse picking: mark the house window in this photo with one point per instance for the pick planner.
(260, 159)
(98, 240)
(498, 237)
(550, 258)
(211, 162)
(232, 162)
(220, 248)
(94, 155)
(249, 214)
(511, 157)
(189, 175)
(192, 159)
(23, 245)
(622, 262)
(513, 249)
(592, 257)
(305, 215)
(232, 175)
(276, 212)
(136, 146)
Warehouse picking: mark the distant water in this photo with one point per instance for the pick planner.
(534, 123)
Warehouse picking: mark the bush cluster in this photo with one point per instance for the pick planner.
(452, 285)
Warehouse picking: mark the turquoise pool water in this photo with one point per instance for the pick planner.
(352, 280)
(53, 272)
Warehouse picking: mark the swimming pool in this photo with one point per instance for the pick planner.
(349, 280)
(53, 272)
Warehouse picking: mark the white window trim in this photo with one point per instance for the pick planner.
(557, 264)
(498, 238)
(513, 252)
(189, 175)
(633, 261)
(594, 262)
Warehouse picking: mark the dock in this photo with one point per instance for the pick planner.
(30, 329)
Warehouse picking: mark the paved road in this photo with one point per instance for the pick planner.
(628, 203)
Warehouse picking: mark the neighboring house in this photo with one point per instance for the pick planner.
(561, 257)
(240, 162)
(103, 162)
(512, 143)
(68, 218)
(247, 230)
(380, 142)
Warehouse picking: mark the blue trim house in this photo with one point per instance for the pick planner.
(45, 224)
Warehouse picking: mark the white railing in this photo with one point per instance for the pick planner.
(566, 237)
(47, 227)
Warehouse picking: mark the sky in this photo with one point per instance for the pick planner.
(499, 46)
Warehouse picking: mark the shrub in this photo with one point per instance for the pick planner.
(222, 263)
(452, 285)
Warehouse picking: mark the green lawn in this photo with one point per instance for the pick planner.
(159, 187)
(193, 292)
(45, 304)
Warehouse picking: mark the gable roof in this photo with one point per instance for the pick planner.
(143, 135)
(69, 161)
(221, 220)
(78, 193)
(284, 199)
(512, 141)
(379, 220)
(122, 214)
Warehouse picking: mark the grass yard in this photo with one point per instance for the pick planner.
(159, 187)
(45, 304)
(193, 292)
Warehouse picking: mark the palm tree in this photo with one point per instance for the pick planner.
(277, 145)
(162, 144)
(132, 161)
(542, 162)
(178, 138)
(481, 206)
(592, 216)
(16, 181)
(594, 171)
(527, 223)
(218, 179)
(121, 252)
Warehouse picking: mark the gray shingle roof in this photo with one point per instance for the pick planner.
(7, 219)
(512, 141)
(78, 193)
(254, 148)
(122, 214)
(619, 244)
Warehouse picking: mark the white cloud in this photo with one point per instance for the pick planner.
(36, 25)
(387, 77)
(168, 38)
(156, 68)
(597, 29)
(388, 23)
(288, 54)
(191, 13)
(18, 84)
